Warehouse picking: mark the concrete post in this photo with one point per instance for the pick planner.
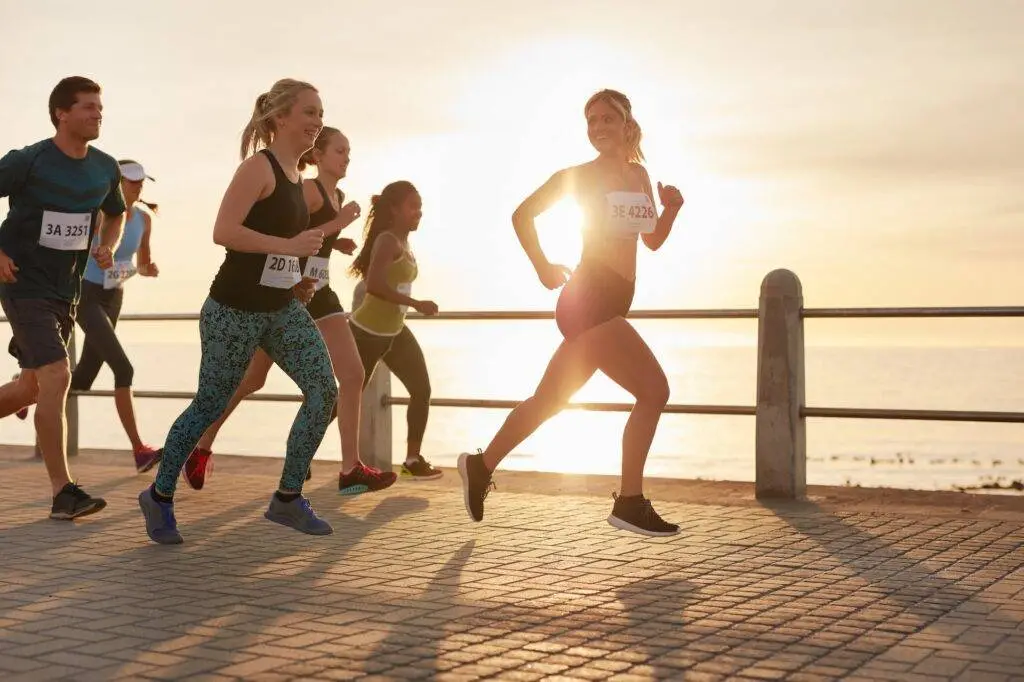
(781, 434)
(375, 421)
(375, 424)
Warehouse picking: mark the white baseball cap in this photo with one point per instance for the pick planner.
(133, 170)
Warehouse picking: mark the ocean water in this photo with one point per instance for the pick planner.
(505, 360)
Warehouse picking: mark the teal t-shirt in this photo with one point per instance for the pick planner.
(54, 205)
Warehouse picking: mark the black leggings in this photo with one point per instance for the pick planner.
(98, 311)
(404, 357)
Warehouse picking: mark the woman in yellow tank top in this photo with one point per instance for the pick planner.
(388, 268)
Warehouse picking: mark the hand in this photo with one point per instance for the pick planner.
(149, 270)
(671, 198)
(7, 269)
(553, 276)
(345, 245)
(348, 214)
(425, 307)
(305, 289)
(305, 243)
(104, 257)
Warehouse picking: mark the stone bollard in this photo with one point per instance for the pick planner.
(375, 419)
(781, 433)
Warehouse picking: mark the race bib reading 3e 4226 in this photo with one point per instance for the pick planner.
(631, 213)
(281, 272)
(319, 269)
(65, 231)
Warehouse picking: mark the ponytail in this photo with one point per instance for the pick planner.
(622, 105)
(381, 218)
(259, 131)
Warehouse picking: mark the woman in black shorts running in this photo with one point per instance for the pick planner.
(615, 194)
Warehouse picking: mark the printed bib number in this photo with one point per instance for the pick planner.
(631, 213)
(65, 231)
(118, 273)
(319, 269)
(404, 288)
(281, 272)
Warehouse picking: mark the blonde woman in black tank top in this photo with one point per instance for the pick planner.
(262, 224)
(330, 154)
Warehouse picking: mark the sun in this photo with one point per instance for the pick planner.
(559, 230)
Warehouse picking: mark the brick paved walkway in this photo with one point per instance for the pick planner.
(408, 588)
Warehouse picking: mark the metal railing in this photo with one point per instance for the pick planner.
(780, 407)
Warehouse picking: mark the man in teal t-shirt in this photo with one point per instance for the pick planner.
(61, 191)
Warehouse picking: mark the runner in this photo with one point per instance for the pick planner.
(615, 194)
(387, 268)
(102, 296)
(58, 188)
(262, 224)
(404, 358)
(330, 213)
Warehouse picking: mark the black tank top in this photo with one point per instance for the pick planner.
(323, 215)
(282, 214)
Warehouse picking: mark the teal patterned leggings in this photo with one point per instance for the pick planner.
(229, 340)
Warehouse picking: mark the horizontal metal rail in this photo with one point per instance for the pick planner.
(966, 311)
(671, 408)
(483, 315)
(676, 314)
(742, 410)
(915, 415)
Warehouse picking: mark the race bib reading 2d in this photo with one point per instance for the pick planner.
(281, 272)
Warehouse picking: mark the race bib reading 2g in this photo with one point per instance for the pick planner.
(65, 231)
(631, 213)
(319, 269)
(281, 272)
(115, 275)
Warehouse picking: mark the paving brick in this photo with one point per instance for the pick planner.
(406, 589)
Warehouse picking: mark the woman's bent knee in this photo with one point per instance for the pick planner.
(124, 376)
(655, 392)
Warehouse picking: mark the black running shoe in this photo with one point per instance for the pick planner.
(476, 483)
(72, 502)
(636, 514)
(420, 470)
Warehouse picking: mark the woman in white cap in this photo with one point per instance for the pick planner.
(100, 306)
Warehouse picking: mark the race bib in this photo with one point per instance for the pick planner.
(114, 276)
(281, 272)
(631, 213)
(65, 231)
(404, 288)
(319, 269)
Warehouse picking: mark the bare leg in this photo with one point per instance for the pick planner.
(567, 371)
(19, 393)
(254, 379)
(51, 425)
(126, 413)
(348, 370)
(616, 349)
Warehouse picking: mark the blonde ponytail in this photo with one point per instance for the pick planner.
(621, 104)
(259, 132)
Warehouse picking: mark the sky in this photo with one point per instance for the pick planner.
(875, 148)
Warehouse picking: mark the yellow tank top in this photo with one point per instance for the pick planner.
(384, 318)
